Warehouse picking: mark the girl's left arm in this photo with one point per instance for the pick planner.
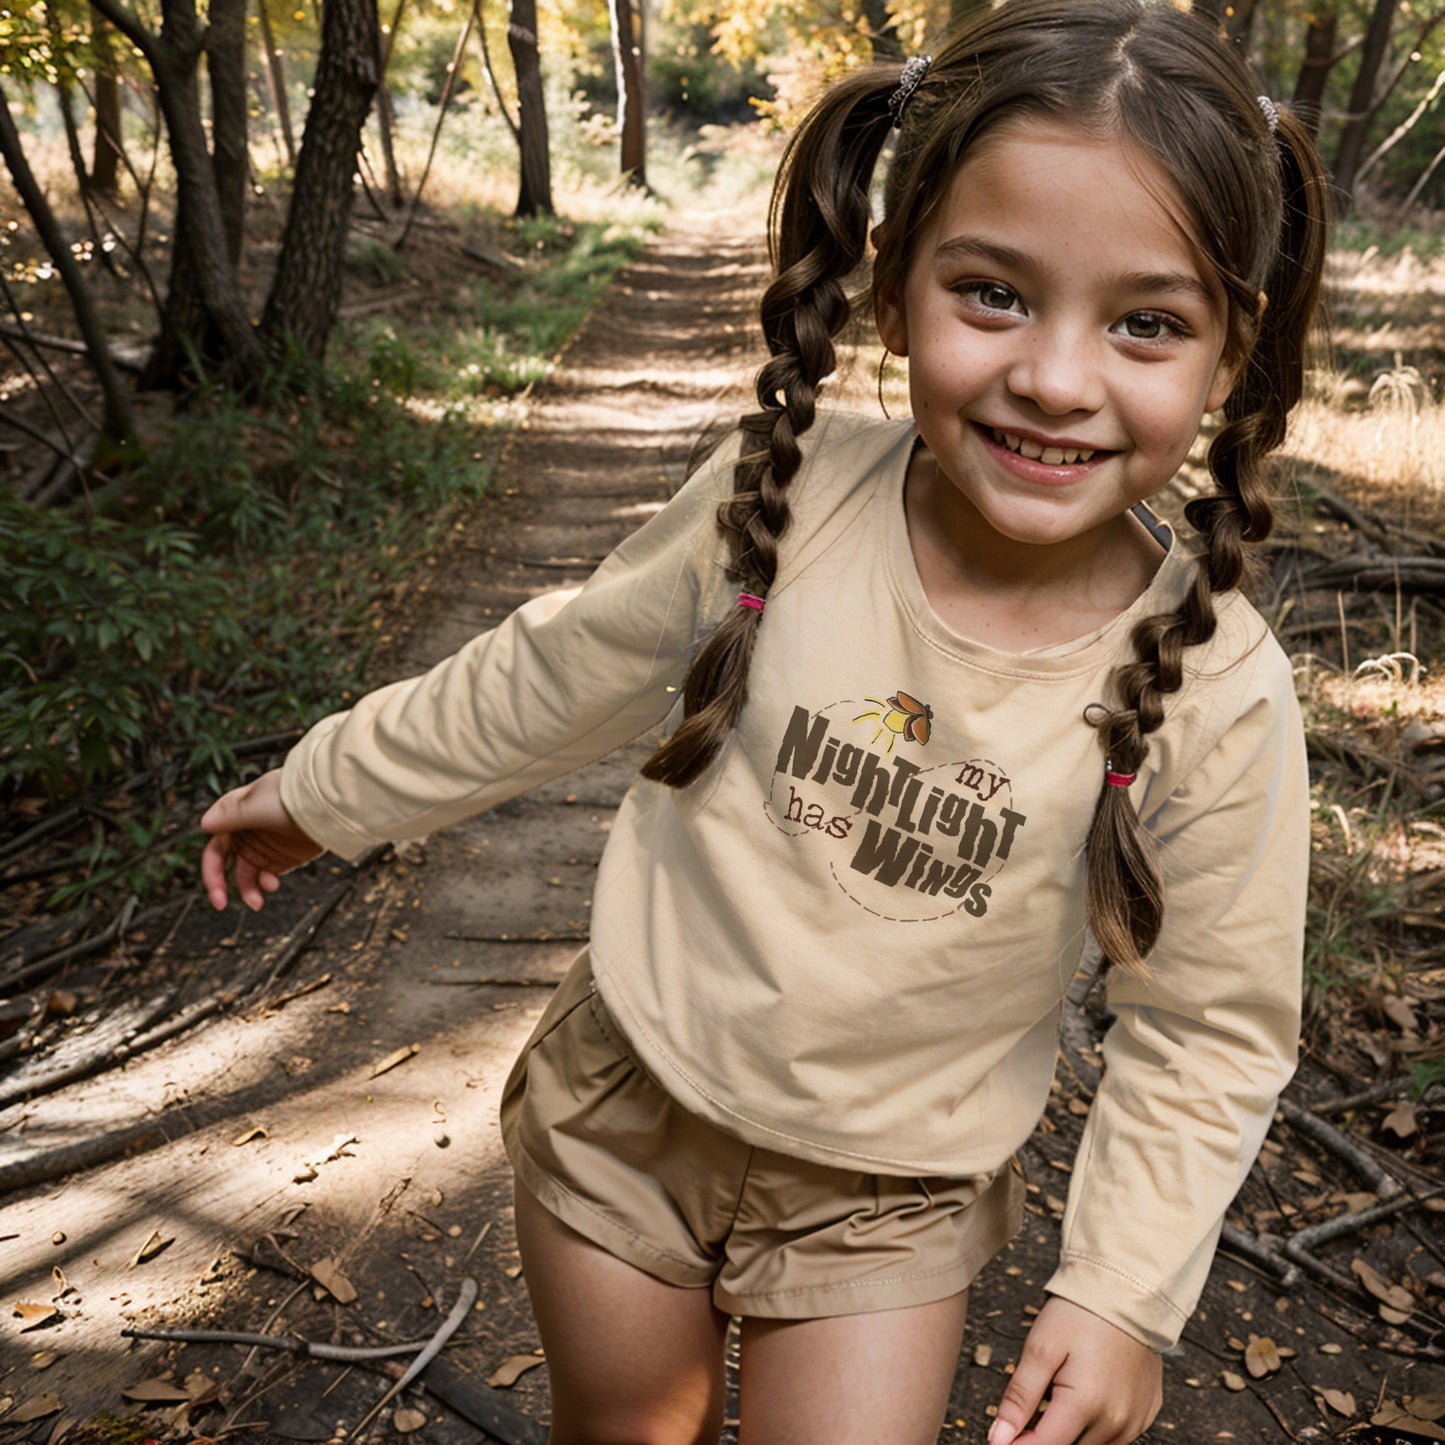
(1198, 1052)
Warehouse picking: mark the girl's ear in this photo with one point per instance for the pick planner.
(1225, 376)
(892, 323)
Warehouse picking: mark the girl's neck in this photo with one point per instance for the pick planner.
(1012, 596)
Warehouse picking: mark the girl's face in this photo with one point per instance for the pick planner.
(1062, 341)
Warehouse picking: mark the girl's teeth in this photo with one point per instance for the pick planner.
(1050, 456)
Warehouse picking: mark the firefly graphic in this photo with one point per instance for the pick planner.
(901, 716)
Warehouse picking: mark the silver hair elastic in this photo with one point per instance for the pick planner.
(1271, 112)
(908, 82)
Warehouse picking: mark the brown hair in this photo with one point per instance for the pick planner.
(1256, 202)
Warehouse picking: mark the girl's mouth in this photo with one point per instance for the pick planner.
(1034, 451)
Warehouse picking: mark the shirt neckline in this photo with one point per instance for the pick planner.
(1076, 655)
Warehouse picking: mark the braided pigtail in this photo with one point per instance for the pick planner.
(819, 223)
(1124, 889)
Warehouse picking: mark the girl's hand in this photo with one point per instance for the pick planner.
(254, 834)
(1104, 1387)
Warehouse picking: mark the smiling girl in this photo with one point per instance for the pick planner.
(954, 699)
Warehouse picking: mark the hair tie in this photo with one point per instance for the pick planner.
(1117, 780)
(1271, 112)
(746, 599)
(908, 82)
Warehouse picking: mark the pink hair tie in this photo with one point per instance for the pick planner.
(1118, 780)
(746, 599)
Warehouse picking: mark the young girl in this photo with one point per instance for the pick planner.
(951, 697)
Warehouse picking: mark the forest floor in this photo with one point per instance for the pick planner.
(323, 1162)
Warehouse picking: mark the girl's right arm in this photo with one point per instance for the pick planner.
(566, 679)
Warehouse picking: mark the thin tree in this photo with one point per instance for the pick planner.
(206, 312)
(631, 95)
(107, 154)
(882, 33)
(1363, 103)
(535, 192)
(301, 308)
(276, 83)
(230, 157)
(118, 433)
(1322, 22)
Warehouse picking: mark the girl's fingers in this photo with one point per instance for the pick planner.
(213, 871)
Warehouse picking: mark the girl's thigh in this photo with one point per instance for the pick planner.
(631, 1360)
(851, 1379)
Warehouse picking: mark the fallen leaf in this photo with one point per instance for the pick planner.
(62, 1003)
(200, 1387)
(1231, 1381)
(1340, 1401)
(1393, 1316)
(43, 1359)
(1395, 1296)
(35, 1315)
(1399, 1012)
(405, 1421)
(511, 1370)
(982, 1354)
(1399, 1419)
(1261, 1356)
(156, 1392)
(1401, 1121)
(340, 1146)
(400, 1056)
(1429, 1406)
(1332, 1349)
(260, 1131)
(304, 1175)
(35, 1408)
(336, 1284)
(1355, 1201)
(152, 1247)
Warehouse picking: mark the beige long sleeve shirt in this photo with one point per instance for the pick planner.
(850, 940)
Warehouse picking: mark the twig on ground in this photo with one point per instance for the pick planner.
(293, 1343)
(1334, 1141)
(449, 1326)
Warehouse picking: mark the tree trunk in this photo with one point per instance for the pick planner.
(1362, 105)
(535, 194)
(882, 34)
(960, 10)
(226, 65)
(276, 81)
(386, 114)
(106, 156)
(1240, 22)
(119, 432)
(1314, 71)
(301, 308)
(627, 57)
(205, 316)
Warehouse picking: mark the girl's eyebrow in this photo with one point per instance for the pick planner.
(1179, 283)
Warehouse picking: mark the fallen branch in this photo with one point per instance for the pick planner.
(1375, 1094)
(293, 1343)
(138, 1044)
(1334, 1141)
(1406, 574)
(449, 1326)
(491, 982)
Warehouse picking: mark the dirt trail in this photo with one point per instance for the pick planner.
(283, 1149)
(503, 898)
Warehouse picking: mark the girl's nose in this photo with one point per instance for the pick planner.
(1057, 370)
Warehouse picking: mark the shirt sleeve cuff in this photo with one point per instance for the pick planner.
(302, 799)
(1125, 1302)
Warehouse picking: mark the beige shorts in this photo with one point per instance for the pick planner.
(602, 1147)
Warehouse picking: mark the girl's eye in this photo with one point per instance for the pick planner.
(1150, 326)
(991, 295)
